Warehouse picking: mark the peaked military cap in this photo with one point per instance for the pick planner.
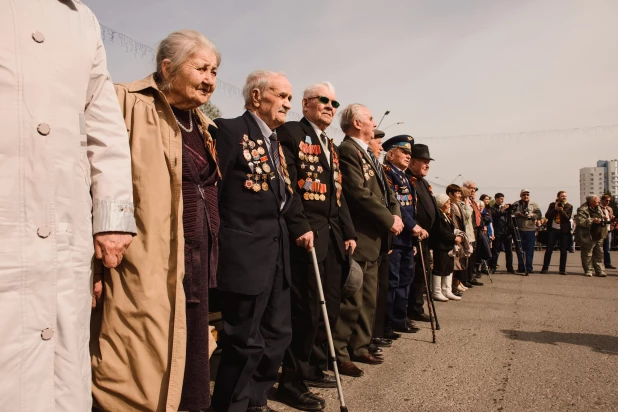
(402, 141)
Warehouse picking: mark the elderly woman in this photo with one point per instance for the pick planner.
(151, 328)
(590, 231)
(443, 238)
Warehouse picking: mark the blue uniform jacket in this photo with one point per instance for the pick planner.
(406, 195)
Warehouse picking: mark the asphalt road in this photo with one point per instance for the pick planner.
(536, 343)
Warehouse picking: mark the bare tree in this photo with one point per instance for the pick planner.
(210, 110)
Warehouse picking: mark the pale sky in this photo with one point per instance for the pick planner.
(444, 68)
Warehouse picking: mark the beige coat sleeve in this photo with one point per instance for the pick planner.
(108, 151)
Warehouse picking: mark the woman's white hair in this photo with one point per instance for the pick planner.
(348, 115)
(258, 79)
(590, 198)
(178, 47)
(310, 91)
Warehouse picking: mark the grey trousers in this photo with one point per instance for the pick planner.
(592, 256)
(354, 327)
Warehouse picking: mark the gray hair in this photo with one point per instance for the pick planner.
(258, 79)
(591, 197)
(469, 183)
(310, 90)
(178, 47)
(348, 115)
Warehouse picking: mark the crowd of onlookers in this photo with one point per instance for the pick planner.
(127, 210)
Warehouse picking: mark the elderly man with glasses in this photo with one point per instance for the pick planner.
(477, 224)
(528, 217)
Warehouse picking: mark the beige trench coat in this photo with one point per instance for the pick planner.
(139, 338)
(64, 176)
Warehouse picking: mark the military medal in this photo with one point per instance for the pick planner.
(249, 184)
(306, 196)
(246, 154)
(322, 198)
(260, 150)
(301, 155)
(260, 142)
(258, 170)
(251, 166)
(245, 137)
(252, 144)
(256, 187)
(255, 154)
(371, 173)
(311, 196)
(264, 186)
(320, 169)
(266, 168)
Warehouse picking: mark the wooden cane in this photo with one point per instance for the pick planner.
(429, 299)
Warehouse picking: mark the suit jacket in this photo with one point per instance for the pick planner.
(253, 231)
(426, 206)
(320, 216)
(406, 196)
(371, 207)
(565, 216)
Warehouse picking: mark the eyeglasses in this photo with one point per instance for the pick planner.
(476, 189)
(326, 100)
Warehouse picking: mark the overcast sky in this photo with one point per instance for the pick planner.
(444, 68)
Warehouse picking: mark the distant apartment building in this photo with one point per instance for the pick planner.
(598, 180)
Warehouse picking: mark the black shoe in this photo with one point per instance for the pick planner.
(421, 317)
(406, 329)
(475, 282)
(392, 335)
(468, 284)
(511, 271)
(305, 401)
(562, 272)
(544, 271)
(374, 350)
(610, 267)
(382, 342)
(457, 293)
(325, 381)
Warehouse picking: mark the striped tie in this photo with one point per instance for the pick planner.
(378, 167)
(274, 154)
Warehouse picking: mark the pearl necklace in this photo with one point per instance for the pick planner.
(188, 130)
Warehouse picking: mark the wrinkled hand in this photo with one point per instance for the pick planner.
(415, 250)
(397, 225)
(458, 240)
(417, 230)
(306, 241)
(110, 247)
(596, 220)
(492, 237)
(350, 246)
(97, 285)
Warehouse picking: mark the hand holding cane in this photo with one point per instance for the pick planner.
(331, 347)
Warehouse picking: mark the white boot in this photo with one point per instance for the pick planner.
(447, 287)
(436, 292)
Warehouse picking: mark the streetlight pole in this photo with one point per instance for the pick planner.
(394, 124)
(385, 114)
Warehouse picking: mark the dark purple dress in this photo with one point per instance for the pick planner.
(200, 221)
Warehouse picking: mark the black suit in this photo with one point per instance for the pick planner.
(331, 225)
(562, 235)
(254, 271)
(427, 217)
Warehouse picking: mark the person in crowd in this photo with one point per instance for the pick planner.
(558, 230)
(477, 226)
(609, 217)
(590, 232)
(375, 213)
(426, 216)
(466, 206)
(139, 361)
(254, 275)
(527, 217)
(487, 234)
(375, 144)
(401, 259)
(443, 239)
(66, 198)
(313, 165)
(503, 239)
(459, 217)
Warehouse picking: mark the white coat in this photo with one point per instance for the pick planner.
(65, 174)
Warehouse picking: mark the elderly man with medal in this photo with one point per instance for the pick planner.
(254, 274)
(401, 259)
(313, 164)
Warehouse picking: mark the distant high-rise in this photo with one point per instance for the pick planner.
(598, 180)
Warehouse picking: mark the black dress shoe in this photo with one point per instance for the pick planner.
(406, 329)
(382, 342)
(373, 349)
(563, 272)
(610, 267)
(326, 381)
(392, 335)
(468, 284)
(511, 271)
(305, 401)
(476, 282)
(544, 271)
(421, 317)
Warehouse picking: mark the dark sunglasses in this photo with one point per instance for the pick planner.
(325, 100)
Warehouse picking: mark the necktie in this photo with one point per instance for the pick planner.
(323, 139)
(274, 154)
(378, 167)
(325, 145)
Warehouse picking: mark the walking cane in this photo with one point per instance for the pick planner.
(331, 347)
(430, 307)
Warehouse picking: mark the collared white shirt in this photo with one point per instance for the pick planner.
(361, 143)
(325, 148)
(267, 132)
